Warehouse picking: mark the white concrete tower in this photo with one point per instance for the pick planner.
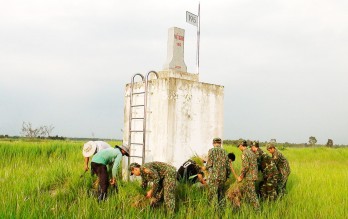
(183, 114)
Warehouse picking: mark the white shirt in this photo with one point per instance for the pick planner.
(101, 145)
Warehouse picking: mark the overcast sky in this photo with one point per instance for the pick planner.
(284, 64)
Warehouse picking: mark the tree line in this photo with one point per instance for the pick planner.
(45, 131)
(312, 141)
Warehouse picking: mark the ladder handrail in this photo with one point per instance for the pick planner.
(130, 113)
(145, 114)
(147, 76)
(130, 131)
(138, 74)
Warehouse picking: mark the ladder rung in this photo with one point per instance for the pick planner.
(137, 105)
(136, 156)
(138, 118)
(139, 92)
(137, 143)
(136, 131)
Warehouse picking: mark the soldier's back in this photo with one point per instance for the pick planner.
(251, 159)
(281, 163)
(160, 167)
(268, 166)
(218, 158)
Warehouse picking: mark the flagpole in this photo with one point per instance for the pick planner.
(198, 34)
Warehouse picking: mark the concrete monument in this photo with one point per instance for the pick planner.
(175, 50)
(183, 115)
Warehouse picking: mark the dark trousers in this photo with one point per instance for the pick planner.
(102, 173)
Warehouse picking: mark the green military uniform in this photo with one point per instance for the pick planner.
(249, 176)
(218, 168)
(284, 169)
(163, 177)
(270, 173)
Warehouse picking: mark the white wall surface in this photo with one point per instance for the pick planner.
(183, 117)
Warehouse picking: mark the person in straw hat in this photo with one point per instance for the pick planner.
(92, 147)
(99, 166)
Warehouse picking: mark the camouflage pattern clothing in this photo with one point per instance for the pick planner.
(249, 176)
(270, 174)
(284, 169)
(218, 168)
(163, 177)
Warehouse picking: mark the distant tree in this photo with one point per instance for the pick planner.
(286, 145)
(312, 140)
(47, 130)
(273, 140)
(329, 143)
(56, 137)
(29, 131)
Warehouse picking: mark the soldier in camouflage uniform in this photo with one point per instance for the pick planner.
(270, 173)
(219, 170)
(163, 177)
(283, 167)
(248, 176)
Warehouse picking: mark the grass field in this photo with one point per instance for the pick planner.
(41, 179)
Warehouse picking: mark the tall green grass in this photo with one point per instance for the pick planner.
(41, 179)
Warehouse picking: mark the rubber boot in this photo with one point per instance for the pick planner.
(102, 196)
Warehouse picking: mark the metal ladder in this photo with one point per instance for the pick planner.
(131, 118)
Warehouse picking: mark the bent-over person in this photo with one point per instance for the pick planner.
(283, 167)
(190, 172)
(270, 173)
(90, 148)
(163, 177)
(99, 166)
(248, 176)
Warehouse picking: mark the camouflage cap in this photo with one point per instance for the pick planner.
(132, 165)
(243, 143)
(255, 143)
(217, 140)
(270, 145)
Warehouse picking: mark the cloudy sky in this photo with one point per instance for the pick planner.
(284, 64)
